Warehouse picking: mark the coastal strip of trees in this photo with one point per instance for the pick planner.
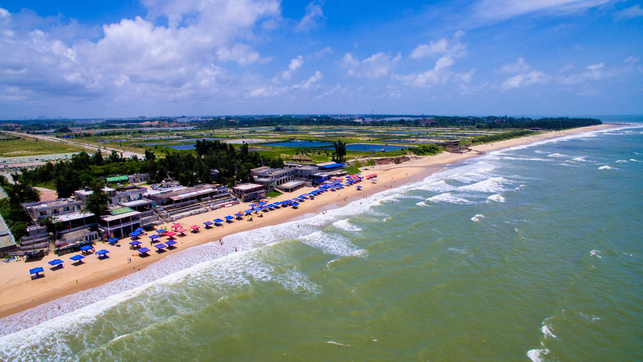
(501, 136)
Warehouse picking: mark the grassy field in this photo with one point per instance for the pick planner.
(33, 147)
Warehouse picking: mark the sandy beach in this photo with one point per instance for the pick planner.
(18, 292)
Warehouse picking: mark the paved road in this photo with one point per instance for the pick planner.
(70, 141)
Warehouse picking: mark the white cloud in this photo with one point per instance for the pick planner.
(505, 9)
(520, 66)
(465, 77)
(632, 12)
(314, 14)
(524, 80)
(447, 52)
(295, 64)
(453, 48)
(375, 66)
(593, 72)
(134, 59)
(240, 53)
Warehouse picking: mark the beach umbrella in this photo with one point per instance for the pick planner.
(170, 243)
(139, 230)
(161, 231)
(218, 220)
(143, 251)
(229, 218)
(135, 233)
(112, 240)
(207, 223)
(78, 257)
(176, 226)
(160, 246)
(239, 214)
(170, 234)
(56, 262)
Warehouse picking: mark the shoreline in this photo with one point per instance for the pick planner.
(19, 293)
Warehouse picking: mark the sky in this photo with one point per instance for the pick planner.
(128, 58)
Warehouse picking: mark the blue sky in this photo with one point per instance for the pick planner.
(127, 58)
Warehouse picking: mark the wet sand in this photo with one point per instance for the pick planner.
(18, 292)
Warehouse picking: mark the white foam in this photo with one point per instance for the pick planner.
(527, 159)
(491, 185)
(438, 186)
(634, 160)
(580, 159)
(346, 225)
(558, 155)
(477, 217)
(333, 244)
(449, 198)
(547, 332)
(536, 355)
(496, 198)
(596, 253)
(606, 167)
(621, 161)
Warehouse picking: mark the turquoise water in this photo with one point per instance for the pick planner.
(529, 253)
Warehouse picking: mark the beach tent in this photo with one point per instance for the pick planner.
(195, 227)
(359, 188)
(170, 234)
(160, 246)
(77, 258)
(239, 215)
(248, 212)
(229, 218)
(102, 253)
(135, 234)
(112, 241)
(140, 230)
(180, 230)
(35, 272)
(217, 222)
(208, 224)
(262, 203)
(170, 244)
(135, 244)
(86, 248)
(56, 262)
(294, 205)
(161, 231)
(153, 237)
(143, 252)
(176, 226)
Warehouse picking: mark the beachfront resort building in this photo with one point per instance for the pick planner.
(120, 222)
(250, 191)
(173, 203)
(270, 178)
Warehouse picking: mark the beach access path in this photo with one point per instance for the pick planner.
(18, 292)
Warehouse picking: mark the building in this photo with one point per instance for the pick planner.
(117, 179)
(250, 191)
(120, 222)
(7, 241)
(269, 178)
(303, 172)
(291, 186)
(138, 177)
(177, 202)
(40, 210)
(452, 146)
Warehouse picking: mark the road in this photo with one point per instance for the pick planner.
(70, 141)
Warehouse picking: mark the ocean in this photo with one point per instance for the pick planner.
(529, 253)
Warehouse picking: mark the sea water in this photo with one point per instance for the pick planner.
(534, 252)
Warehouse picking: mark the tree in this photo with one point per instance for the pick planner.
(340, 151)
(96, 203)
(97, 158)
(149, 155)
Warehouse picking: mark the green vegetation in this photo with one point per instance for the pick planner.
(273, 194)
(11, 210)
(428, 149)
(352, 170)
(501, 136)
(18, 147)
